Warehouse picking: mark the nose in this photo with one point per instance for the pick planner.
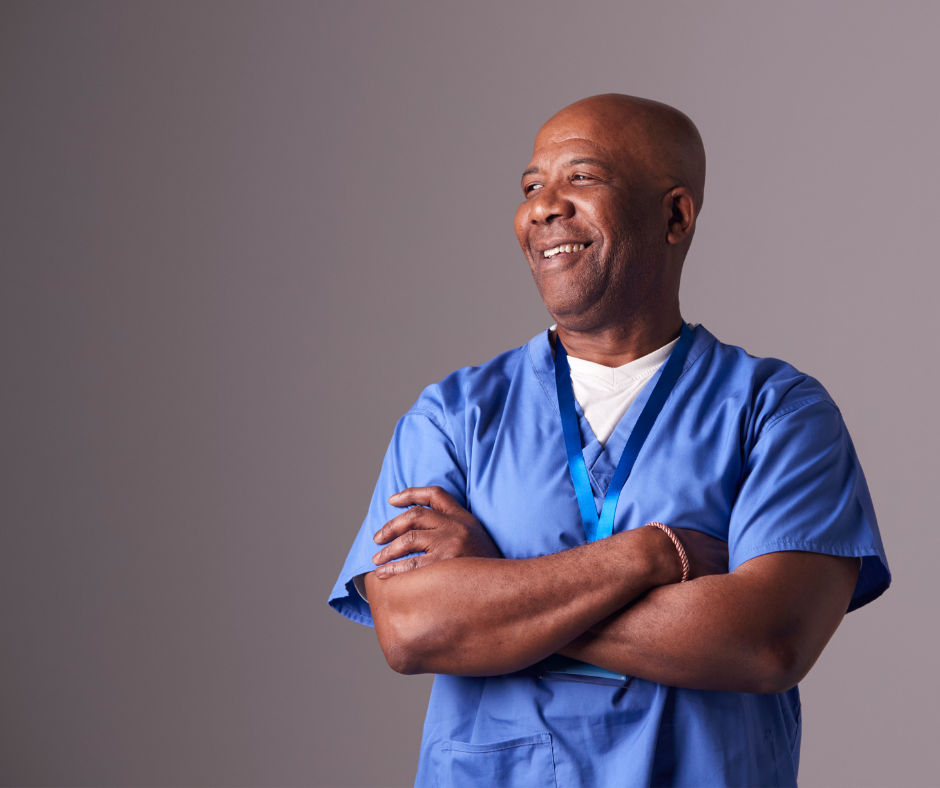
(550, 204)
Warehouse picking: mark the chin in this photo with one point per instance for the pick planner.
(574, 317)
(573, 308)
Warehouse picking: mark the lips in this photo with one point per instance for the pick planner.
(566, 247)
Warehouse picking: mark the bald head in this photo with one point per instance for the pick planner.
(662, 140)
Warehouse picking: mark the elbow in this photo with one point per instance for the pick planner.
(780, 668)
(416, 636)
(405, 645)
(402, 657)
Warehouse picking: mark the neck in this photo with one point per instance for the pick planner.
(619, 344)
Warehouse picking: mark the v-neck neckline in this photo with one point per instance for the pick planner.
(601, 461)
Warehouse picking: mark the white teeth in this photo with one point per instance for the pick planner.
(568, 248)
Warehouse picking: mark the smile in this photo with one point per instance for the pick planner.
(564, 248)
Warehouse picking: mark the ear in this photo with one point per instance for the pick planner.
(680, 213)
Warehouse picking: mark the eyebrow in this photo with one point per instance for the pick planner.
(533, 170)
(530, 171)
(588, 160)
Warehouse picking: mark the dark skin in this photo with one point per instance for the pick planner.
(625, 177)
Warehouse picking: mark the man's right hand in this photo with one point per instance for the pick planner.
(436, 525)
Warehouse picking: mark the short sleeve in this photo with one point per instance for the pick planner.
(420, 454)
(803, 489)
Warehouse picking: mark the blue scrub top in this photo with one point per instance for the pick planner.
(748, 450)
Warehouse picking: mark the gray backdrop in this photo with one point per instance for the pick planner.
(238, 240)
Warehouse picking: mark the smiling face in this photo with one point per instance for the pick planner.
(592, 223)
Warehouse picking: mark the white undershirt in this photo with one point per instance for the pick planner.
(605, 393)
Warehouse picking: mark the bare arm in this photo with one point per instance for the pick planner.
(487, 616)
(759, 629)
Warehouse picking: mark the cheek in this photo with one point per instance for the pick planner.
(521, 223)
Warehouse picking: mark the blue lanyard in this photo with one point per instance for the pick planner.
(603, 527)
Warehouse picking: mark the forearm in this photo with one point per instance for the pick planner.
(724, 632)
(680, 636)
(478, 616)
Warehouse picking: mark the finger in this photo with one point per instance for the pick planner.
(409, 542)
(418, 518)
(400, 567)
(436, 497)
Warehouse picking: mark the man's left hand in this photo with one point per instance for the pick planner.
(445, 530)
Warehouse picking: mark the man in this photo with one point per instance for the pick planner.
(568, 649)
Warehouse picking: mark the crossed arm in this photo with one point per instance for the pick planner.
(462, 609)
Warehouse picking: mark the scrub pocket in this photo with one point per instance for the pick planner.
(527, 762)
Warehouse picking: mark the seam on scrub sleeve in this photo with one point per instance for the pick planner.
(809, 546)
(863, 593)
(352, 615)
(430, 415)
(793, 407)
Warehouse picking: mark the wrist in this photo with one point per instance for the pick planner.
(664, 557)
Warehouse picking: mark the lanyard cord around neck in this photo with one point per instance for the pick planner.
(599, 528)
